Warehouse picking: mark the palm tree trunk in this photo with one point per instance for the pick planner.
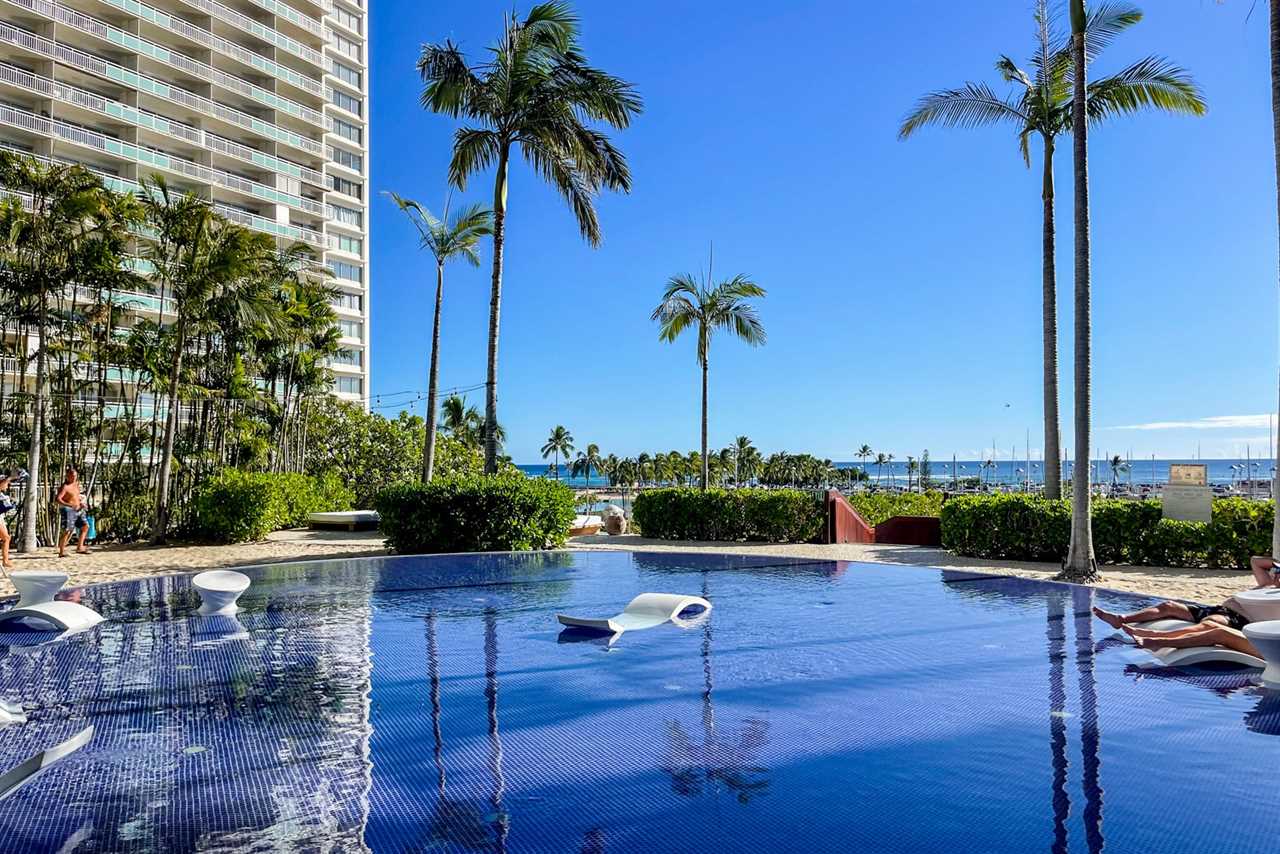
(1275, 128)
(170, 430)
(31, 497)
(1052, 438)
(1080, 565)
(704, 424)
(495, 311)
(429, 448)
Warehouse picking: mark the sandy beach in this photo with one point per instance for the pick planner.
(116, 562)
(1197, 585)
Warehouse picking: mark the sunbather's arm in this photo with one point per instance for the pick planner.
(1263, 572)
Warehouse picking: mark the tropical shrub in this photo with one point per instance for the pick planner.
(371, 452)
(876, 507)
(237, 506)
(766, 515)
(476, 513)
(1020, 527)
(127, 517)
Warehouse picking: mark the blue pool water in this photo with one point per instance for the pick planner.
(432, 705)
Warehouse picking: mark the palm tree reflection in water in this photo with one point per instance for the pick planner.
(721, 759)
(1056, 632)
(466, 821)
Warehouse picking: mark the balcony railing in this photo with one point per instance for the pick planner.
(160, 124)
(127, 41)
(87, 62)
(159, 159)
(224, 46)
(267, 34)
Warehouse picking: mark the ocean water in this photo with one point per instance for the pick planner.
(1140, 471)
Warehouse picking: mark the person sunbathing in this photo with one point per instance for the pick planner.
(1220, 625)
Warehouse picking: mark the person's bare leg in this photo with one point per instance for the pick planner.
(63, 539)
(1209, 634)
(1198, 629)
(1163, 611)
(80, 546)
(4, 547)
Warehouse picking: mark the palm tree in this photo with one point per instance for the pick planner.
(42, 238)
(446, 239)
(193, 253)
(864, 453)
(536, 93)
(585, 462)
(644, 467)
(560, 442)
(459, 419)
(742, 449)
(1042, 108)
(1275, 132)
(1117, 465)
(687, 304)
(881, 461)
(912, 467)
(1080, 566)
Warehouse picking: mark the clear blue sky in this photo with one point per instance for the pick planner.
(903, 278)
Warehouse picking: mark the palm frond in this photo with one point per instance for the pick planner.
(474, 150)
(448, 82)
(574, 185)
(1152, 82)
(1011, 73)
(1106, 21)
(973, 105)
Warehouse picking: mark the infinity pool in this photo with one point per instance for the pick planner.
(432, 705)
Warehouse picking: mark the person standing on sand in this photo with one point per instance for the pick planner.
(7, 506)
(73, 511)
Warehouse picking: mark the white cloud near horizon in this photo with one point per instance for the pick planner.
(1213, 422)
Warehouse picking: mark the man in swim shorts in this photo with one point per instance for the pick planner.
(71, 506)
(1220, 625)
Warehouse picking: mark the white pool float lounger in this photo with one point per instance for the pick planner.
(1190, 656)
(643, 612)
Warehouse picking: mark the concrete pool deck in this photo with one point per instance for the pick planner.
(117, 563)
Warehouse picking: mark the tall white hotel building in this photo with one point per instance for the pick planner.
(258, 105)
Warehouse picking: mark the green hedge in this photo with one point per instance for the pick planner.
(876, 507)
(767, 515)
(476, 513)
(1020, 527)
(237, 506)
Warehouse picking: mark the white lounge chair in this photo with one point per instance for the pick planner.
(1189, 656)
(585, 526)
(643, 612)
(12, 779)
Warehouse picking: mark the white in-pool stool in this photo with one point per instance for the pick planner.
(643, 612)
(1266, 637)
(219, 589)
(37, 605)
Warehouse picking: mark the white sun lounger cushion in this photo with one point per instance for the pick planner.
(643, 612)
(1188, 656)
